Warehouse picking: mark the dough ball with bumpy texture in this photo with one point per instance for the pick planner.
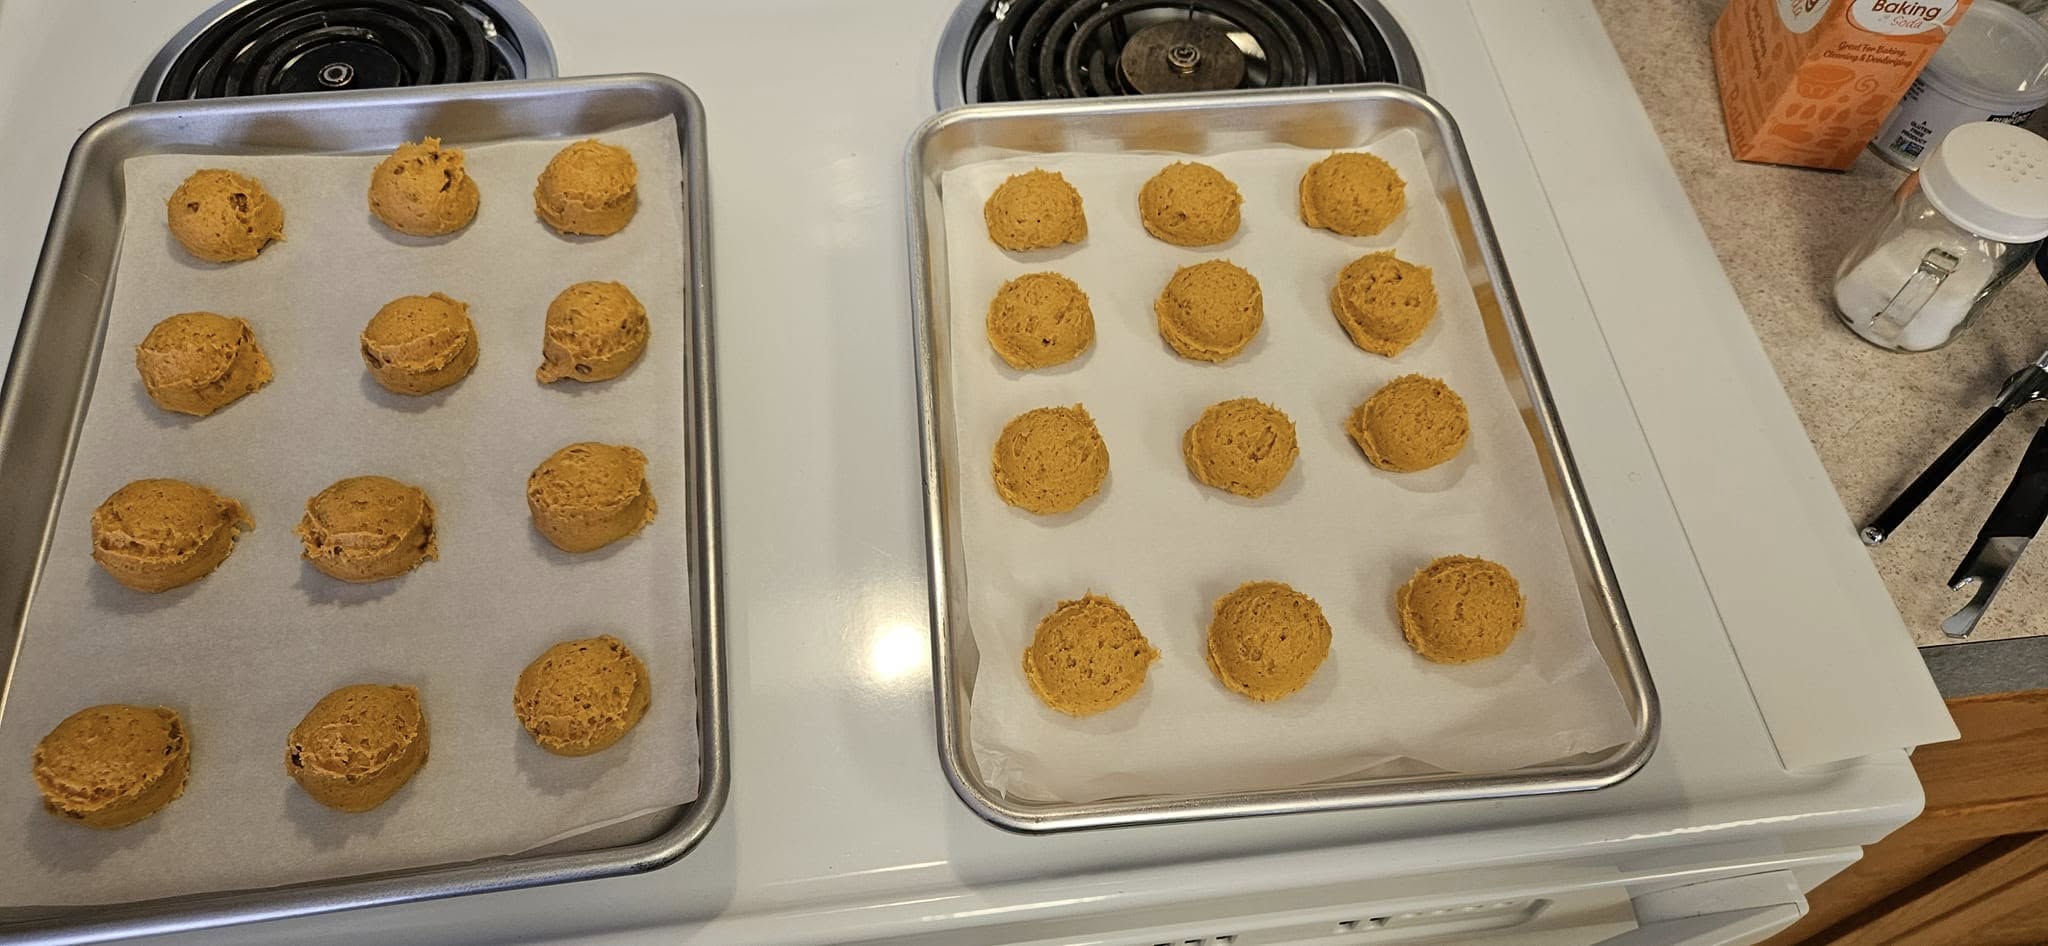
(1050, 460)
(1242, 446)
(1459, 609)
(112, 765)
(368, 528)
(1411, 424)
(588, 188)
(199, 362)
(358, 746)
(155, 535)
(1087, 656)
(588, 495)
(424, 190)
(594, 332)
(1384, 302)
(1210, 311)
(223, 217)
(419, 344)
(1035, 210)
(1266, 640)
(1352, 193)
(1190, 204)
(582, 696)
(1039, 320)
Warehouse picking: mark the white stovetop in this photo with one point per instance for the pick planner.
(840, 825)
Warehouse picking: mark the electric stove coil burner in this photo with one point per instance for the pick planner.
(260, 47)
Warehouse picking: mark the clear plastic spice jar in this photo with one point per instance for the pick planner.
(1957, 230)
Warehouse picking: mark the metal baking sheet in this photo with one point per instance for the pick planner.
(44, 400)
(1196, 125)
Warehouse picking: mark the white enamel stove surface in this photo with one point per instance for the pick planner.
(840, 826)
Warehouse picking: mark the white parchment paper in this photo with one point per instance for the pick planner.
(1338, 529)
(244, 653)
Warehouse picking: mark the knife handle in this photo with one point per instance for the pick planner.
(1930, 479)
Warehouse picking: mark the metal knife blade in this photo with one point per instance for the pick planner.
(2012, 524)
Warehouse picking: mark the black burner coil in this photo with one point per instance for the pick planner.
(273, 46)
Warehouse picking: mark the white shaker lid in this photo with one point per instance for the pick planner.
(1992, 179)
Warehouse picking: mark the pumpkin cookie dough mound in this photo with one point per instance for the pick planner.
(1352, 193)
(223, 217)
(199, 362)
(154, 535)
(368, 528)
(1459, 609)
(420, 344)
(589, 188)
(1267, 640)
(1210, 311)
(358, 746)
(1384, 302)
(1190, 204)
(1241, 446)
(589, 495)
(1050, 460)
(1035, 210)
(1039, 320)
(1088, 656)
(594, 332)
(1413, 423)
(422, 189)
(110, 766)
(581, 696)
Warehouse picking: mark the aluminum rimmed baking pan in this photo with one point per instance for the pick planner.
(75, 335)
(984, 559)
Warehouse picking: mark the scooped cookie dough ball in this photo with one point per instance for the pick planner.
(594, 332)
(358, 746)
(423, 190)
(1411, 424)
(589, 495)
(589, 188)
(419, 344)
(1050, 460)
(155, 535)
(1035, 210)
(1352, 193)
(1039, 320)
(199, 362)
(113, 765)
(1384, 302)
(368, 528)
(223, 217)
(1087, 656)
(1190, 204)
(1459, 609)
(1242, 446)
(1210, 311)
(1266, 640)
(582, 696)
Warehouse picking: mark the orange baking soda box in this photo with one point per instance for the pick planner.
(1808, 82)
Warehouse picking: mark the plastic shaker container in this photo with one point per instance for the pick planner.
(1993, 67)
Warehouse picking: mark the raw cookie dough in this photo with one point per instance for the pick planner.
(154, 535)
(358, 746)
(1050, 459)
(1087, 656)
(422, 189)
(1210, 311)
(581, 696)
(1035, 210)
(1038, 320)
(1241, 446)
(589, 495)
(198, 362)
(1190, 204)
(110, 766)
(594, 332)
(1383, 302)
(368, 528)
(1352, 193)
(1267, 640)
(588, 188)
(221, 217)
(1459, 609)
(419, 344)
(1413, 423)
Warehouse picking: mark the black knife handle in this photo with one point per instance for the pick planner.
(1930, 479)
(2024, 506)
